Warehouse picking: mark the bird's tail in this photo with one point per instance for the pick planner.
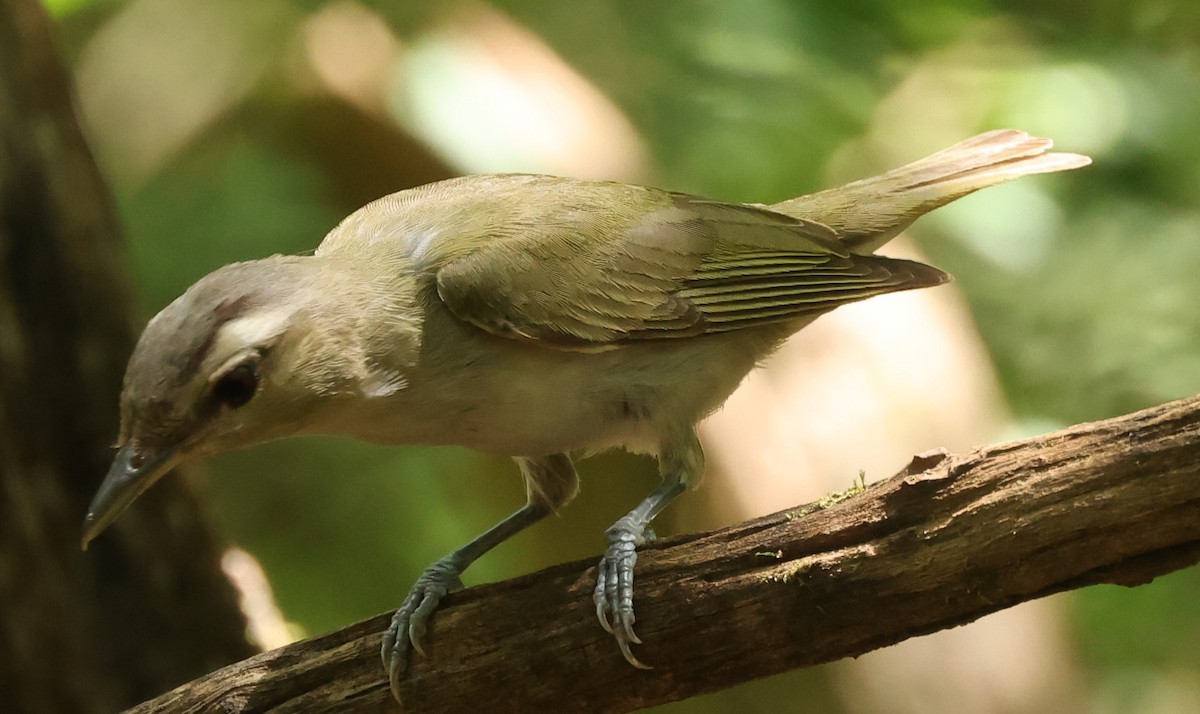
(868, 213)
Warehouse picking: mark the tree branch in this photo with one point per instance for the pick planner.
(947, 540)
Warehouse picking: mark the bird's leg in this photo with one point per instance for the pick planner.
(550, 482)
(681, 464)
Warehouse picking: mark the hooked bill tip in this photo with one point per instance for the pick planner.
(131, 473)
(88, 531)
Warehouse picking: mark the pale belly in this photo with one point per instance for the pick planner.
(505, 397)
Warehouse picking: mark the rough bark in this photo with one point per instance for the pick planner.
(148, 607)
(947, 540)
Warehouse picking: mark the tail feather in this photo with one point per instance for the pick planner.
(868, 213)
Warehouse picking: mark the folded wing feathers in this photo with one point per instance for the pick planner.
(694, 267)
(795, 289)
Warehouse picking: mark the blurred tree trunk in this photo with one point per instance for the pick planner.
(148, 606)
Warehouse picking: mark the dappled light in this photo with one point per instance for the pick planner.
(235, 130)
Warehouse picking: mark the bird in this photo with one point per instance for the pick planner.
(536, 317)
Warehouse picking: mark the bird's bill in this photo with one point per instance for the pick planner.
(131, 473)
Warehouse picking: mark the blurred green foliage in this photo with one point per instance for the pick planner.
(1085, 288)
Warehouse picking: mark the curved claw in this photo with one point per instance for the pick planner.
(613, 594)
(395, 650)
(410, 622)
(627, 630)
(629, 657)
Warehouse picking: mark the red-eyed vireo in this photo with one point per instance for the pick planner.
(529, 316)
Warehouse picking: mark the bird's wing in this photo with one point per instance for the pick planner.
(584, 279)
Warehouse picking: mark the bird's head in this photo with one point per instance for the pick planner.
(231, 362)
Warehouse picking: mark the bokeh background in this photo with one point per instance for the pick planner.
(232, 130)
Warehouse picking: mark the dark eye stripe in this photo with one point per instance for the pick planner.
(225, 311)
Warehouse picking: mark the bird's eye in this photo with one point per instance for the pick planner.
(237, 386)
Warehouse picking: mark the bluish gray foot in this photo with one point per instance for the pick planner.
(614, 583)
(410, 621)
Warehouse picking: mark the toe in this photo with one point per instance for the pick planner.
(396, 655)
(394, 648)
(389, 641)
(600, 597)
(611, 578)
(419, 622)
